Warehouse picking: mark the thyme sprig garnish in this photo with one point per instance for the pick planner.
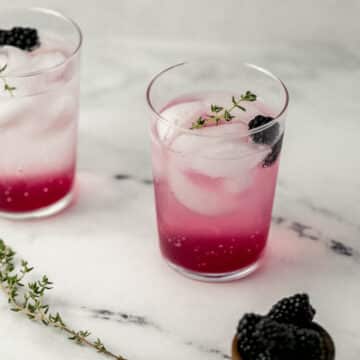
(219, 113)
(28, 299)
(10, 89)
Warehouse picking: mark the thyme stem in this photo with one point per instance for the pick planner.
(219, 113)
(33, 305)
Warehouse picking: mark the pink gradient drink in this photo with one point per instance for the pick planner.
(215, 183)
(39, 58)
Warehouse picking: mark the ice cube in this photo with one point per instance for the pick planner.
(14, 111)
(20, 62)
(229, 154)
(39, 114)
(237, 185)
(208, 201)
(46, 60)
(224, 154)
(3, 59)
(61, 112)
(17, 60)
(227, 160)
(179, 115)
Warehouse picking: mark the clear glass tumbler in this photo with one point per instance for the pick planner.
(217, 131)
(39, 106)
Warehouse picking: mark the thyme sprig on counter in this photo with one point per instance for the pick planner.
(219, 113)
(29, 300)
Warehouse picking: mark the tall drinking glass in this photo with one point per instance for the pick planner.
(39, 105)
(217, 131)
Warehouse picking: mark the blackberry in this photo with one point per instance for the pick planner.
(266, 136)
(294, 310)
(247, 344)
(277, 338)
(309, 345)
(275, 152)
(3, 35)
(20, 37)
(249, 322)
(264, 356)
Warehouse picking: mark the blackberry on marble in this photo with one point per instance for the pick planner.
(3, 36)
(264, 356)
(295, 310)
(248, 345)
(279, 339)
(309, 345)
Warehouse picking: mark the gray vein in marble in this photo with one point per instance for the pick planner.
(303, 231)
(307, 232)
(278, 220)
(123, 317)
(122, 177)
(130, 177)
(143, 321)
(207, 350)
(341, 249)
(330, 214)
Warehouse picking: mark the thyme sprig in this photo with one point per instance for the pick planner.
(10, 89)
(28, 299)
(219, 113)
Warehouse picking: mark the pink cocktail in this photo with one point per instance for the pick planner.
(215, 163)
(39, 105)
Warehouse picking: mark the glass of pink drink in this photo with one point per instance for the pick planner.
(217, 131)
(39, 105)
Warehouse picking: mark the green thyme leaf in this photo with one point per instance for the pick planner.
(3, 68)
(249, 96)
(10, 89)
(216, 108)
(199, 123)
(228, 116)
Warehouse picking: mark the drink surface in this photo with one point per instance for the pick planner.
(214, 194)
(38, 126)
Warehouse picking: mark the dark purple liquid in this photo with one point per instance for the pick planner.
(34, 192)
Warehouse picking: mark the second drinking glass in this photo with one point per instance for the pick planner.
(39, 103)
(217, 132)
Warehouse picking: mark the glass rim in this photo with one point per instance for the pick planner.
(68, 58)
(197, 133)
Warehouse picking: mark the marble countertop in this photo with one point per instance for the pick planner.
(102, 253)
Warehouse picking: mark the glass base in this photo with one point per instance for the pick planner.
(216, 277)
(42, 212)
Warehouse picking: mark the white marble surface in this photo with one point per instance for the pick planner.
(102, 253)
